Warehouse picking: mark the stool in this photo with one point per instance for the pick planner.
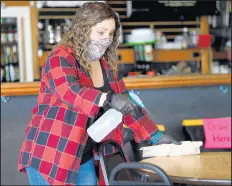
(131, 147)
(113, 164)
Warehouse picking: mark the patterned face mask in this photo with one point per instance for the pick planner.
(96, 49)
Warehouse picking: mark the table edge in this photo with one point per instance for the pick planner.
(189, 180)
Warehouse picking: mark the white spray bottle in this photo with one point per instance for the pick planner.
(110, 120)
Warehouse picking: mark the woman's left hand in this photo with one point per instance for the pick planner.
(163, 138)
(167, 139)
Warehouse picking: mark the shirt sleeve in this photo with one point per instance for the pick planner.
(62, 78)
(141, 125)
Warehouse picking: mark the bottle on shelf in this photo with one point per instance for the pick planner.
(185, 38)
(189, 38)
(2, 65)
(193, 35)
(58, 34)
(158, 38)
(15, 34)
(10, 35)
(3, 34)
(148, 52)
(7, 71)
(15, 63)
(11, 67)
(51, 36)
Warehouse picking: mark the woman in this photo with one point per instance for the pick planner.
(80, 81)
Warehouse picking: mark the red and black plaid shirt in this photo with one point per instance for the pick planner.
(56, 135)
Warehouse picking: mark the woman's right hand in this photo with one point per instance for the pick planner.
(122, 103)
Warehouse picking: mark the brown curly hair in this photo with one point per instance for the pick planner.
(77, 37)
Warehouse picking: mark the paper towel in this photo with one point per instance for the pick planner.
(186, 148)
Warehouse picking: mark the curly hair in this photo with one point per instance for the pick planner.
(77, 37)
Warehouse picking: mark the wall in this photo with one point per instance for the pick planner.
(169, 107)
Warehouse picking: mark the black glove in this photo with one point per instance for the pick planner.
(121, 103)
(162, 138)
(167, 139)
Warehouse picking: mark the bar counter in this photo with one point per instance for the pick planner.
(32, 88)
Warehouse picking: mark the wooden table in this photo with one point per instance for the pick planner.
(208, 168)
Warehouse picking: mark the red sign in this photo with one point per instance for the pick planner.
(217, 133)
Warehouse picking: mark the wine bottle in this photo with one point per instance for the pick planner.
(16, 63)
(11, 66)
(7, 72)
(2, 65)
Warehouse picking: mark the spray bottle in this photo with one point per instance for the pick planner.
(110, 120)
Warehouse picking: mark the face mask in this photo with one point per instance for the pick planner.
(96, 49)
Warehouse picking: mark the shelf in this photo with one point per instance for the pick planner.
(9, 43)
(55, 17)
(16, 3)
(160, 23)
(178, 81)
(66, 16)
(160, 55)
(173, 55)
(50, 47)
(116, 2)
(32, 88)
(55, 9)
(71, 11)
(126, 56)
(221, 55)
(167, 30)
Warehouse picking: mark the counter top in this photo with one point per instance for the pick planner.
(177, 81)
(32, 88)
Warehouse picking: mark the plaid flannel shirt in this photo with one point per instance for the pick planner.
(56, 135)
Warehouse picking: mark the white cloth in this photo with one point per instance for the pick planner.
(186, 148)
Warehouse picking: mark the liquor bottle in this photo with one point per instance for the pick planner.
(148, 52)
(16, 63)
(3, 34)
(186, 39)
(15, 34)
(51, 35)
(10, 34)
(58, 34)
(11, 67)
(2, 65)
(7, 71)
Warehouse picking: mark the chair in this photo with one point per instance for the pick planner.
(131, 148)
(129, 173)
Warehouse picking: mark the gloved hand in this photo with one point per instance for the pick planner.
(167, 139)
(162, 138)
(121, 103)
